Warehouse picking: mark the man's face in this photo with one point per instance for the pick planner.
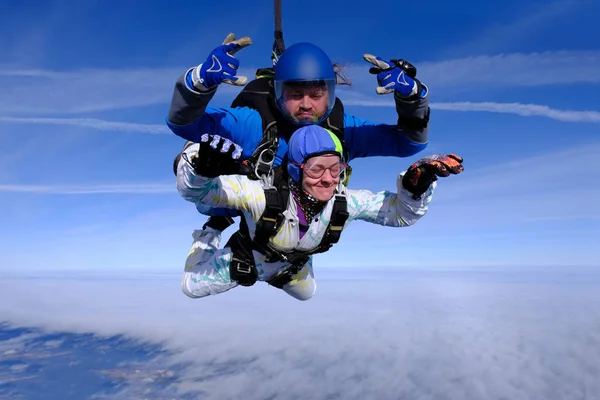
(306, 104)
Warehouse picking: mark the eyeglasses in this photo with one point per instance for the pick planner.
(317, 171)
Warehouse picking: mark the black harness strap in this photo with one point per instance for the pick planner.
(276, 203)
(259, 95)
(286, 276)
(339, 216)
(243, 268)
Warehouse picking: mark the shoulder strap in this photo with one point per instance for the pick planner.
(276, 200)
(335, 123)
(339, 216)
(257, 95)
(333, 232)
(242, 267)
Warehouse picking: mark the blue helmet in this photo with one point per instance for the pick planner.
(306, 65)
(310, 141)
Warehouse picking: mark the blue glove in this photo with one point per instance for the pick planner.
(221, 65)
(397, 76)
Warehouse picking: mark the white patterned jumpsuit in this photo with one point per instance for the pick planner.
(207, 266)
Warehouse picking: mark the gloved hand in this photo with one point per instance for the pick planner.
(216, 156)
(398, 76)
(221, 65)
(424, 172)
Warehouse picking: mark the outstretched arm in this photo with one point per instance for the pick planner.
(415, 190)
(228, 191)
(388, 208)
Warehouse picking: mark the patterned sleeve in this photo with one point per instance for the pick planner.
(387, 208)
(226, 191)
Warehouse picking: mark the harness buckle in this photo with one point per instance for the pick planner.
(243, 272)
(263, 168)
(243, 268)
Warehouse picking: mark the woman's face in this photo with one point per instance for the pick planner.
(321, 176)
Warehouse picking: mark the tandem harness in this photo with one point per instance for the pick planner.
(243, 269)
(258, 95)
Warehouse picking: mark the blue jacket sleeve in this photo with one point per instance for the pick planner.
(190, 117)
(409, 136)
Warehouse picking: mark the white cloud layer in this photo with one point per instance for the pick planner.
(509, 333)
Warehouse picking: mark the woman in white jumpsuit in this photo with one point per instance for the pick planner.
(314, 168)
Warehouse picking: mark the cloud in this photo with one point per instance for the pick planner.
(499, 70)
(41, 92)
(524, 110)
(92, 123)
(118, 188)
(37, 92)
(532, 22)
(514, 69)
(371, 333)
(38, 73)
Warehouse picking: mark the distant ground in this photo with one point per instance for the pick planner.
(35, 365)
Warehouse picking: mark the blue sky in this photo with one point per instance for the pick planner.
(85, 156)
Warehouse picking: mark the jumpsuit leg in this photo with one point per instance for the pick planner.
(207, 267)
(303, 285)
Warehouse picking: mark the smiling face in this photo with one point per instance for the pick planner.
(321, 176)
(305, 103)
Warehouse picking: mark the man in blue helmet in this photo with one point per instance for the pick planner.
(300, 92)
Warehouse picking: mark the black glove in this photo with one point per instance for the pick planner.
(217, 156)
(424, 172)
